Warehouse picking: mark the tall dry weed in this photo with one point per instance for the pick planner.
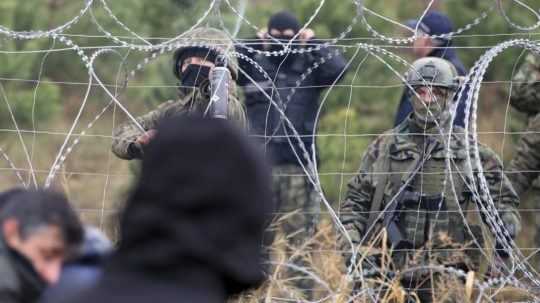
(325, 266)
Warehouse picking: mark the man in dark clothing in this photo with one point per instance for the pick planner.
(433, 23)
(294, 82)
(193, 226)
(39, 230)
(285, 72)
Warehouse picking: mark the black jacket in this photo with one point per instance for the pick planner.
(121, 286)
(19, 282)
(301, 109)
(192, 228)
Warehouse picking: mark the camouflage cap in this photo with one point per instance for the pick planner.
(212, 39)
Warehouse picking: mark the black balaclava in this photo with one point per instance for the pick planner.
(195, 75)
(200, 204)
(282, 21)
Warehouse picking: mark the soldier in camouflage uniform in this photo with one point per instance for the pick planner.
(192, 66)
(524, 168)
(405, 170)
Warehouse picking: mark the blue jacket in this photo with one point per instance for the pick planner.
(405, 106)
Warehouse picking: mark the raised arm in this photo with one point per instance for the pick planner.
(333, 65)
(124, 144)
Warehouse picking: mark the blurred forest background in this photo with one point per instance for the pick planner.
(45, 88)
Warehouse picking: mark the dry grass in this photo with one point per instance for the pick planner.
(332, 284)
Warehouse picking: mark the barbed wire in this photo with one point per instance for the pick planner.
(372, 49)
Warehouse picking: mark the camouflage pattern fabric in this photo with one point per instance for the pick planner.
(525, 165)
(298, 203)
(434, 229)
(526, 87)
(19, 281)
(193, 103)
(524, 168)
(299, 208)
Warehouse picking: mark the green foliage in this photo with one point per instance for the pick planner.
(362, 105)
(30, 109)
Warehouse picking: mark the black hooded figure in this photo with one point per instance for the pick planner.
(286, 72)
(192, 229)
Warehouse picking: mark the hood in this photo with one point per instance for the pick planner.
(202, 201)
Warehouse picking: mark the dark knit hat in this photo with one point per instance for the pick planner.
(284, 20)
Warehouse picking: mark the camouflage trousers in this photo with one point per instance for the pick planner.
(531, 200)
(298, 214)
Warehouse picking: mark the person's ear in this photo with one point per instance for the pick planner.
(10, 231)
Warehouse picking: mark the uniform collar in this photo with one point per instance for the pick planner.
(409, 136)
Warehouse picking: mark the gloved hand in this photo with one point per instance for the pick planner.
(135, 149)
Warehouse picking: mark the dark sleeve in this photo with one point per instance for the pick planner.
(8, 297)
(333, 64)
(462, 71)
(243, 63)
(462, 107)
(404, 108)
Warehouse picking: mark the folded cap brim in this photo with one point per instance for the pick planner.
(413, 23)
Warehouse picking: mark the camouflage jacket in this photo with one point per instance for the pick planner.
(525, 166)
(526, 88)
(396, 153)
(126, 134)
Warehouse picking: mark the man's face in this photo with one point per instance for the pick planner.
(44, 248)
(429, 102)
